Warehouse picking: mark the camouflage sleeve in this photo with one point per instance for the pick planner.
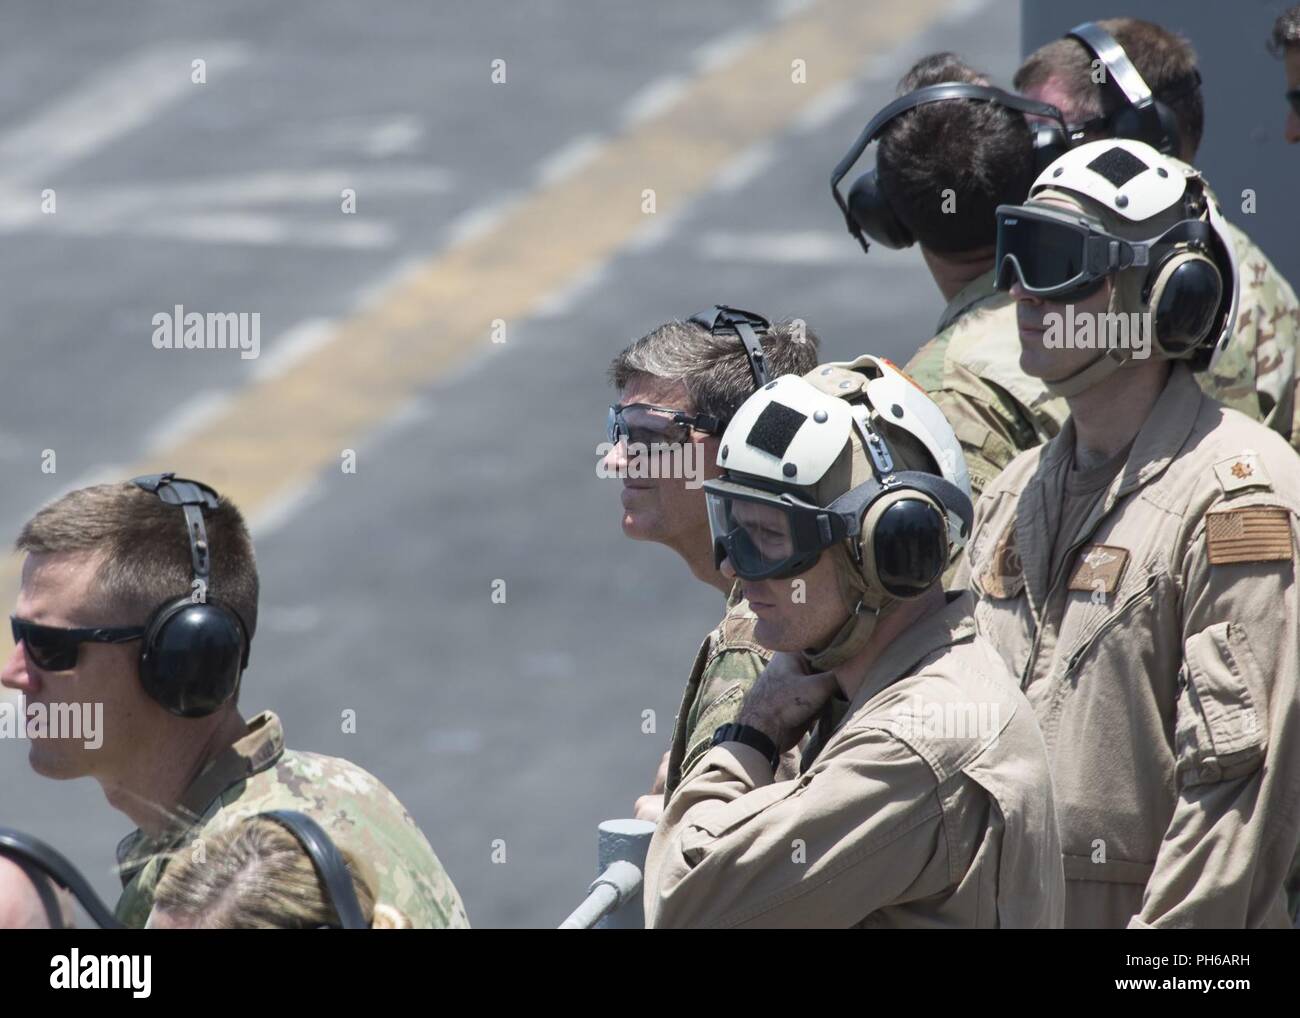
(992, 432)
(727, 678)
(1256, 373)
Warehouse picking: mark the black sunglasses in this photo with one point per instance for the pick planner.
(1293, 97)
(53, 649)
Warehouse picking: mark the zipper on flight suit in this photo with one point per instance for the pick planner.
(1131, 600)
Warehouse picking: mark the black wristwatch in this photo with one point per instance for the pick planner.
(748, 736)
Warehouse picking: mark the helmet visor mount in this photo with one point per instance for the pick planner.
(1059, 255)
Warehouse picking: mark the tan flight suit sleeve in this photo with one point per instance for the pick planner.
(863, 828)
(1230, 843)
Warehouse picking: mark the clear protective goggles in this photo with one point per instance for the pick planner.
(1058, 254)
(772, 535)
(649, 425)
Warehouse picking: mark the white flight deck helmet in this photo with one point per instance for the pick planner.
(1142, 217)
(842, 459)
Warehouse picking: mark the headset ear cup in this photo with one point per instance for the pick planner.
(1157, 127)
(1184, 302)
(875, 216)
(903, 544)
(191, 657)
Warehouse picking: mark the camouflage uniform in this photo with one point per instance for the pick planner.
(726, 667)
(258, 774)
(971, 369)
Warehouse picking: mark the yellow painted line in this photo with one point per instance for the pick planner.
(278, 434)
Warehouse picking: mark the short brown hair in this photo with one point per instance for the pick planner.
(1286, 31)
(714, 369)
(1165, 60)
(981, 151)
(144, 550)
(255, 875)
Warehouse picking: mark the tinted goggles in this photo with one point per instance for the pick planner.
(54, 649)
(1293, 97)
(1058, 254)
(645, 424)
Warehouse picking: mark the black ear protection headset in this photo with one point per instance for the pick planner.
(329, 864)
(747, 325)
(868, 210)
(194, 648)
(26, 849)
(1140, 116)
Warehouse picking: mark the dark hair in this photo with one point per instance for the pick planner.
(1165, 60)
(1286, 31)
(144, 550)
(714, 369)
(981, 151)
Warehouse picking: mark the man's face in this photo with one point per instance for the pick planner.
(796, 613)
(663, 508)
(1291, 61)
(1033, 315)
(57, 590)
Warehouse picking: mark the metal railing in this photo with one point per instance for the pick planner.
(614, 899)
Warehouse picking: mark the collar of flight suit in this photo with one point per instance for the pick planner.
(953, 623)
(258, 749)
(975, 292)
(1159, 440)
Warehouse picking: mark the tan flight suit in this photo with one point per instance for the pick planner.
(1161, 660)
(928, 805)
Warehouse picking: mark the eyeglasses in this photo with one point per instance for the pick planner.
(53, 649)
(645, 424)
(1293, 97)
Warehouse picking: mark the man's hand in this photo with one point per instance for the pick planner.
(784, 701)
(649, 807)
(661, 775)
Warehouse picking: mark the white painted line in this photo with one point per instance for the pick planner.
(798, 247)
(398, 135)
(656, 98)
(457, 741)
(745, 168)
(725, 49)
(657, 229)
(284, 506)
(782, 9)
(187, 420)
(474, 222)
(560, 302)
(232, 228)
(110, 105)
(568, 159)
(294, 345)
(834, 101)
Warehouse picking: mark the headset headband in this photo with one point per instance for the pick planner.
(921, 97)
(1108, 50)
(329, 864)
(193, 497)
(32, 850)
(743, 323)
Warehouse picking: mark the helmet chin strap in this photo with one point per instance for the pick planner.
(852, 637)
(1096, 371)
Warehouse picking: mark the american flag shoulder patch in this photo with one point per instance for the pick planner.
(1249, 534)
